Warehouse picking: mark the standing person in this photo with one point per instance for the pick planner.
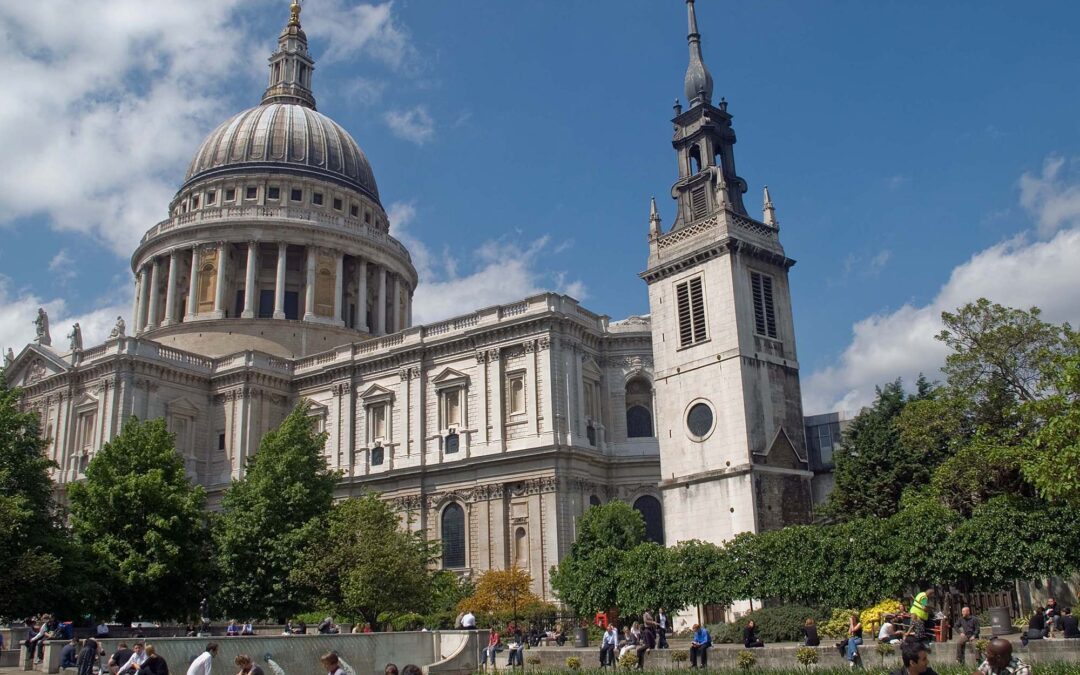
(810, 634)
(608, 644)
(920, 613)
(246, 665)
(750, 637)
(119, 658)
(1000, 660)
(331, 663)
(203, 664)
(968, 627)
(661, 629)
(154, 664)
(915, 658)
(854, 638)
(699, 647)
(88, 657)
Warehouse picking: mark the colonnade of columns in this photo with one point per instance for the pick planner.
(162, 274)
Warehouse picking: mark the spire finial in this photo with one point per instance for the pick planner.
(769, 217)
(294, 13)
(654, 219)
(698, 83)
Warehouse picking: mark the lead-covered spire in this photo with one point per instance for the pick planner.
(698, 82)
(291, 65)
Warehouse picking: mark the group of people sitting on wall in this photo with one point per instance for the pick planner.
(1051, 622)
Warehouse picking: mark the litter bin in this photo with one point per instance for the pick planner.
(1001, 621)
(581, 638)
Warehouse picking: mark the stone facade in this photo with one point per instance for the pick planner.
(275, 281)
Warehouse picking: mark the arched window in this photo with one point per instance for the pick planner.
(639, 422)
(695, 160)
(649, 508)
(521, 548)
(207, 287)
(453, 537)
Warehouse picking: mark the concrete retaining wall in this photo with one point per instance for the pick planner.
(446, 652)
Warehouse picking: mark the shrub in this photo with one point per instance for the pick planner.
(837, 625)
(884, 649)
(407, 621)
(871, 616)
(628, 660)
(980, 647)
(775, 624)
(680, 656)
(806, 656)
(532, 660)
(573, 663)
(745, 659)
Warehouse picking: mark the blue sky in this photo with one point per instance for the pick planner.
(920, 154)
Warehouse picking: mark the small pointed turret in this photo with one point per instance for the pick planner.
(769, 217)
(291, 65)
(654, 220)
(698, 83)
(720, 185)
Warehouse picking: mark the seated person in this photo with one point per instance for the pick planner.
(631, 639)
(248, 629)
(515, 648)
(889, 633)
(1068, 624)
(699, 647)
(810, 635)
(69, 654)
(1037, 625)
(750, 637)
(232, 630)
(491, 649)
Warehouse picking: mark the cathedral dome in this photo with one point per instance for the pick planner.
(284, 137)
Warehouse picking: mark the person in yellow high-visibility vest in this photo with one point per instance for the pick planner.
(920, 612)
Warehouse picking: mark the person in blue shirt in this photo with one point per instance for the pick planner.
(608, 644)
(699, 646)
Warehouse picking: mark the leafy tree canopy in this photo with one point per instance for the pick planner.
(143, 524)
(615, 524)
(270, 518)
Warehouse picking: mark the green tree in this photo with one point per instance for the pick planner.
(37, 555)
(143, 525)
(615, 524)
(1052, 454)
(706, 573)
(873, 467)
(270, 518)
(368, 566)
(647, 578)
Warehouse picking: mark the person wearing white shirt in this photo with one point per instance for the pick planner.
(138, 657)
(202, 664)
(608, 645)
(468, 621)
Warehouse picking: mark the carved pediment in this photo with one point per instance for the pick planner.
(450, 378)
(33, 364)
(591, 369)
(376, 393)
(181, 406)
(86, 402)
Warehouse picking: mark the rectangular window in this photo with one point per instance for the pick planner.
(296, 195)
(316, 199)
(86, 431)
(251, 193)
(690, 301)
(367, 217)
(515, 393)
(211, 196)
(273, 193)
(337, 204)
(377, 421)
(195, 201)
(354, 210)
(592, 400)
(764, 311)
(230, 194)
(451, 408)
(221, 441)
(699, 205)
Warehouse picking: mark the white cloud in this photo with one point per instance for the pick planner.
(879, 261)
(18, 309)
(62, 266)
(1021, 272)
(501, 271)
(365, 29)
(414, 125)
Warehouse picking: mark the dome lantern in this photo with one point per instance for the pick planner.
(291, 66)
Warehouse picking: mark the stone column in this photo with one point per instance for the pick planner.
(279, 282)
(339, 272)
(309, 286)
(155, 284)
(361, 295)
(144, 296)
(249, 282)
(193, 286)
(219, 294)
(380, 304)
(396, 322)
(408, 307)
(134, 317)
(170, 292)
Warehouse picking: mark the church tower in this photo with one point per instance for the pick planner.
(729, 406)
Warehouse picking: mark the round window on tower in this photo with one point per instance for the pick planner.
(700, 420)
